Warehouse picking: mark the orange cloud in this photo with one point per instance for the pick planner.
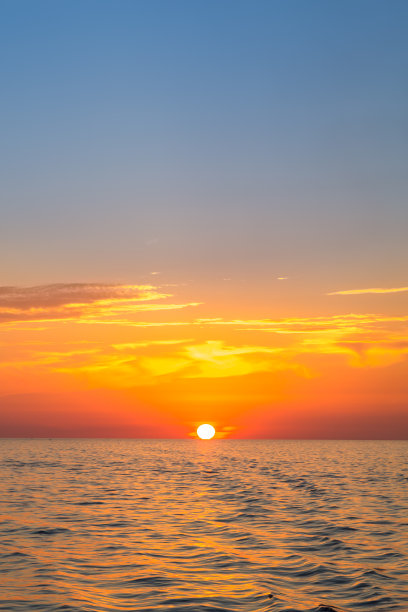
(64, 302)
(214, 359)
(99, 336)
(370, 290)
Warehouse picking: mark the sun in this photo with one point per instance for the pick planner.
(205, 431)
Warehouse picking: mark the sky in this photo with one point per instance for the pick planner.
(204, 218)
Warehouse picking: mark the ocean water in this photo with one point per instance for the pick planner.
(138, 525)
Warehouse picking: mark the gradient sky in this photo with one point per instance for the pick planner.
(204, 218)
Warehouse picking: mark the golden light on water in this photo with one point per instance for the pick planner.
(205, 431)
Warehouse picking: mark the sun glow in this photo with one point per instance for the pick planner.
(205, 431)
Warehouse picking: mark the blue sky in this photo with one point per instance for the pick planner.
(211, 139)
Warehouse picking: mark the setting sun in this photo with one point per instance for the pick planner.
(205, 431)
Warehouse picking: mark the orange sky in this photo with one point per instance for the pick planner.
(153, 360)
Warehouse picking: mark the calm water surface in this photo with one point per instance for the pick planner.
(122, 525)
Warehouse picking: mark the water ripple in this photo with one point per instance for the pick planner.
(227, 526)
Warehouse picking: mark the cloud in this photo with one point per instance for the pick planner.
(161, 366)
(65, 293)
(304, 325)
(141, 324)
(369, 290)
(131, 346)
(215, 349)
(376, 354)
(214, 359)
(80, 301)
(127, 349)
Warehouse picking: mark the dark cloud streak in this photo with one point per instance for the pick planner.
(67, 300)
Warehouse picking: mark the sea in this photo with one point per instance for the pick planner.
(203, 526)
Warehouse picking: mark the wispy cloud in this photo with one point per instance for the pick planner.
(130, 346)
(348, 323)
(80, 301)
(66, 293)
(369, 290)
(129, 349)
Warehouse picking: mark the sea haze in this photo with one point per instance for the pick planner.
(227, 525)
